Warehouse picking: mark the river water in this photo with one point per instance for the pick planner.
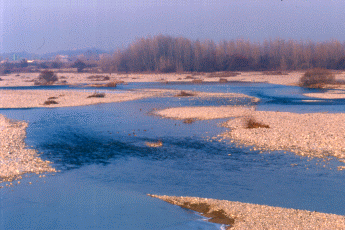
(106, 169)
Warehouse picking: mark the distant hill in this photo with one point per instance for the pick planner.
(71, 53)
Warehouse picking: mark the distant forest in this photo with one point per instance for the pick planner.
(177, 54)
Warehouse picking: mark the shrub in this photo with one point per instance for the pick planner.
(251, 123)
(79, 65)
(46, 77)
(317, 78)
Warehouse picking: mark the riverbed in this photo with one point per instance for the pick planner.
(106, 169)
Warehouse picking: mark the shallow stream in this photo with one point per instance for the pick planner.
(106, 169)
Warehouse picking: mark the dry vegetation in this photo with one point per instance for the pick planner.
(251, 123)
(189, 120)
(50, 102)
(97, 95)
(185, 94)
(98, 78)
(46, 77)
(317, 78)
(169, 54)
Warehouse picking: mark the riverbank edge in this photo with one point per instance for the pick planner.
(238, 215)
(16, 158)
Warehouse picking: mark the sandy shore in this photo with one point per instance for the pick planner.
(252, 216)
(314, 134)
(15, 158)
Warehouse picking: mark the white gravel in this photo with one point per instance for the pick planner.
(15, 158)
(252, 216)
(311, 134)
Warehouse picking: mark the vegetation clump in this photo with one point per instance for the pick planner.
(50, 102)
(97, 95)
(223, 74)
(113, 83)
(46, 77)
(99, 77)
(197, 81)
(185, 94)
(189, 121)
(317, 78)
(251, 123)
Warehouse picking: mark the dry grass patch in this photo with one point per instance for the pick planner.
(224, 74)
(189, 120)
(50, 102)
(98, 78)
(111, 84)
(274, 73)
(97, 95)
(251, 123)
(185, 94)
(197, 81)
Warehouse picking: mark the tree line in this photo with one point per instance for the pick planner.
(177, 54)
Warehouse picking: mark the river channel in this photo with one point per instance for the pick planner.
(106, 170)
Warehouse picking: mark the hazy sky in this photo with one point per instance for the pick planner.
(41, 26)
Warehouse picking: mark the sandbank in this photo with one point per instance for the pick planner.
(252, 216)
(15, 158)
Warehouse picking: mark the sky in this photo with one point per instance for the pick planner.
(38, 26)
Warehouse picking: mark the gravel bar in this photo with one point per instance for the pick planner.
(311, 134)
(15, 158)
(253, 216)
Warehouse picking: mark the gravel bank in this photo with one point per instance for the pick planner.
(73, 78)
(331, 94)
(313, 134)
(253, 216)
(15, 158)
(205, 112)
(66, 98)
